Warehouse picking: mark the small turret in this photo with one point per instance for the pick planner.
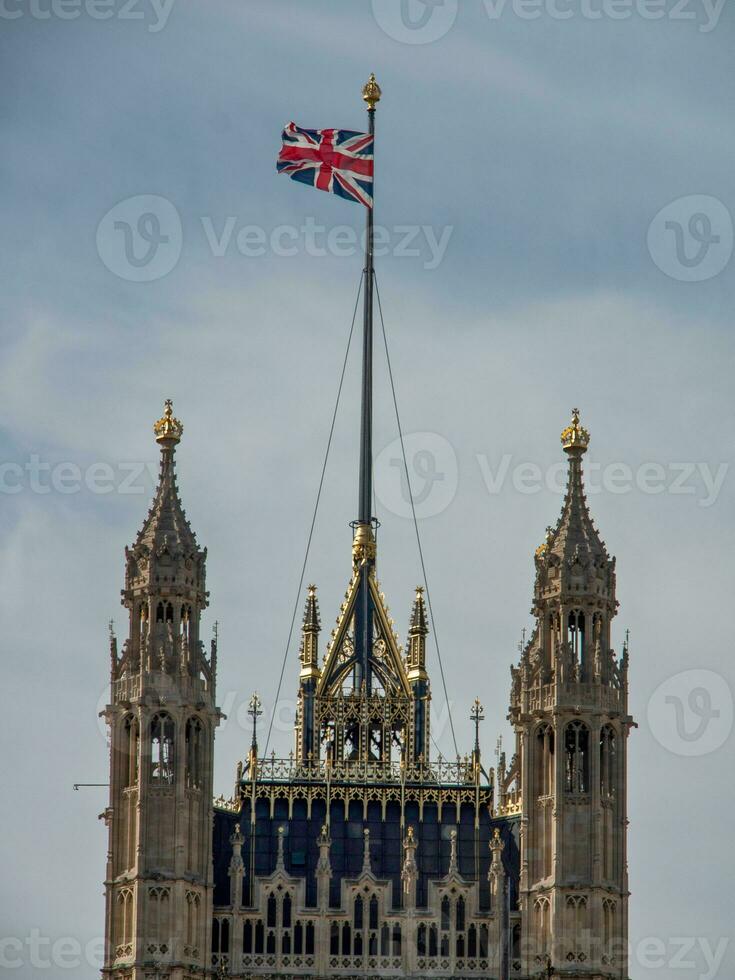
(416, 643)
(574, 591)
(418, 677)
(310, 629)
(165, 576)
(308, 678)
(573, 558)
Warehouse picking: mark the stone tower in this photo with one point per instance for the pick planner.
(161, 718)
(569, 709)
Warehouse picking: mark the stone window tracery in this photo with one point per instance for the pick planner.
(162, 749)
(576, 636)
(124, 922)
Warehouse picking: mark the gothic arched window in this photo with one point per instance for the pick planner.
(608, 760)
(460, 914)
(221, 936)
(224, 943)
(185, 620)
(445, 912)
(193, 739)
(576, 750)
(544, 760)
(162, 749)
(130, 751)
(575, 635)
(124, 916)
(374, 912)
(608, 929)
(192, 917)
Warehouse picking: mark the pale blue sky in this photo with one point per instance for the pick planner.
(543, 150)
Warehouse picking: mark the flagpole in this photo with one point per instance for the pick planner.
(364, 542)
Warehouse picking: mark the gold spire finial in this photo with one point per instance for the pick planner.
(575, 438)
(363, 544)
(168, 430)
(371, 92)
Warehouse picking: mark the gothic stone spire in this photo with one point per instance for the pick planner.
(165, 573)
(166, 523)
(573, 559)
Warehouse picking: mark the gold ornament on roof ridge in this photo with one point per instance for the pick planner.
(371, 92)
(575, 436)
(168, 429)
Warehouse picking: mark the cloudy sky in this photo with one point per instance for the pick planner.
(554, 190)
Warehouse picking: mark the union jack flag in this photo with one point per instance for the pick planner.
(334, 160)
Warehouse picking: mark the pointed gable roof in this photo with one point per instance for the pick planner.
(386, 660)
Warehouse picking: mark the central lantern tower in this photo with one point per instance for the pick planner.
(371, 712)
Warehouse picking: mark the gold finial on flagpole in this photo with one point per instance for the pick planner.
(371, 92)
